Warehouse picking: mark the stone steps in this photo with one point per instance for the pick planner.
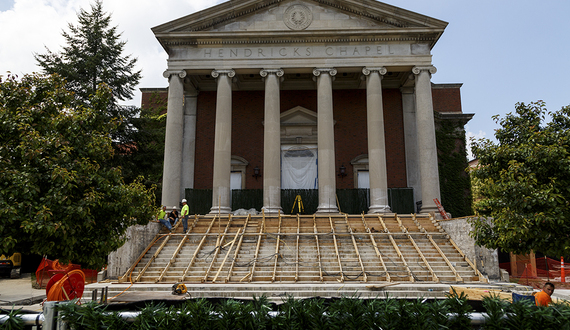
(305, 256)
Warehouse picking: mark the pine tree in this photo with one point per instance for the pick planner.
(93, 55)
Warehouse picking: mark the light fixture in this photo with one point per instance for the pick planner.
(256, 172)
(342, 171)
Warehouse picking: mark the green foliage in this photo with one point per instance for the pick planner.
(455, 185)
(13, 321)
(90, 316)
(524, 182)
(140, 152)
(315, 313)
(92, 56)
(460, 309)
(57, 196)
(496, 312)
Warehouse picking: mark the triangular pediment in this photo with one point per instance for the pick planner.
(298, 116)
(251, 19)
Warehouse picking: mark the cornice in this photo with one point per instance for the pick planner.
(174, 42)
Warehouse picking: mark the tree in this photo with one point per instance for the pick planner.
(93, 54)
(524, 182)
(57, 197)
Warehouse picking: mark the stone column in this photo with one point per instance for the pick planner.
(173, 139)
(426, 138)
(222, 143)
(376, 141)
(411, 142)
(272, 142)
(189, 140)
(325, 132)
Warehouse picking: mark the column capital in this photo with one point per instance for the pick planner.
(216, 73)
(381, 70)
(331, 71)
(407, 90)
(277, 72)
(181, 73)
(418, 69)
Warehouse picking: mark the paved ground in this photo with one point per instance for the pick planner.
(19, 293)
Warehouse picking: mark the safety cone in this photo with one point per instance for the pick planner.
(562, 271)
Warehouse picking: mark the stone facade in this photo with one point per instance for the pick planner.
(487, 260)
(363, 68)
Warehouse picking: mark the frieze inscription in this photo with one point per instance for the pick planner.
(306, 52)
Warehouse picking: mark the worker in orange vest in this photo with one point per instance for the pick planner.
(543, 297)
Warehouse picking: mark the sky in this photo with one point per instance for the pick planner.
(502, 51)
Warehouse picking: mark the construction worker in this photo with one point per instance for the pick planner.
(184, 214)
(543, 297)
(161, 217)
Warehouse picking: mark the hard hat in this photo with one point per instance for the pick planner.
(184, 200)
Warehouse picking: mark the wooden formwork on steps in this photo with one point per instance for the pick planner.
(305, 249)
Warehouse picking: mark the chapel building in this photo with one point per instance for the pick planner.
(303, 94)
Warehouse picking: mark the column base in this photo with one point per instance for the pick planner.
(379, 209)
(272, 209)
(220, 209)
(429, 209)
(322, 209)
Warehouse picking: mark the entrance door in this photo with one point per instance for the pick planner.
(299, 167)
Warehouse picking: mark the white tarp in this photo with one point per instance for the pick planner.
(299, 167)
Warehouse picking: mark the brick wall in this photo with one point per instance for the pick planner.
(350, 128)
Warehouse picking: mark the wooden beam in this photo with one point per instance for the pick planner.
(457, 276)
(236, 253)
(336, 250)
(408, 270)
(481, 277)
(141, 273)
(276, 249)
(318, 249)
(405, 230)
(180, 245)
(218, 248)
(356, 248)
(378, 254)
(134, 265)
(226, 257)
(261, 231)
(297, 250)
(183, 277)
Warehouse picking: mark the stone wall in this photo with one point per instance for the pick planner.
(487, 261)
(138, 238)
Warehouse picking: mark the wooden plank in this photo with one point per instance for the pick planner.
(479, 294)
(180, 245)
(318, 249)
(197, 250)
(276, 249)
(218, 248)
(236, 253)
(405, 230)
(457, 276)
(378, 254)
(141, 273)
(336, 250)
(297, 250)
(481, 277)
(356, 248)
(226, 257)
(408, 270)
(134, 265)
(257, 249)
